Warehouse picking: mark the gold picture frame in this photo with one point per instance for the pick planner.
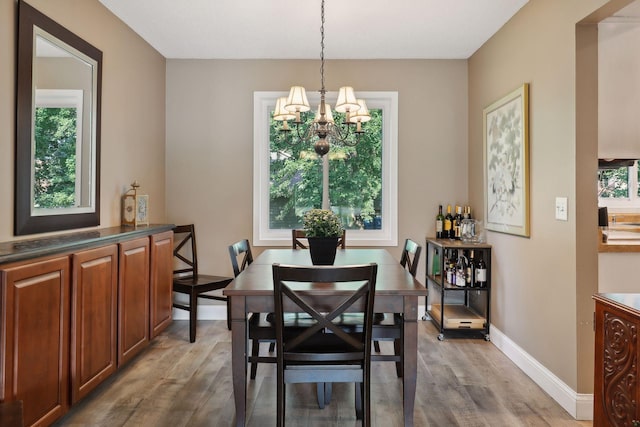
(506, 163)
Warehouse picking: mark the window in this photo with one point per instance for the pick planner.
(362, 180)
(57, 150)
(618, 183)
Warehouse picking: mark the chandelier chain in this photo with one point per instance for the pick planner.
(322, 45)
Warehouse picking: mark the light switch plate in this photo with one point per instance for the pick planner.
(561, 209)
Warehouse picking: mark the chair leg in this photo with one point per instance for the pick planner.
(376, 346)
(255, 350)
(366, 402)
(397, 349)
(327, 392)
(280, 400)
(229, 313)
(358, 387)
(320, 393)
(193, 315)
(272, 347)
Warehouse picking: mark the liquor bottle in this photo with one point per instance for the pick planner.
(435, 267)
(481, 272)
(461, 271)
(448, 225)
(457, 220)
(470, 269)
(439, 223)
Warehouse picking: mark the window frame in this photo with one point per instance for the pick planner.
(263, 105)
(622, 203)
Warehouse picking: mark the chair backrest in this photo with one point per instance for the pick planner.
(296, 243)
(411, 256)
(184, 251)
(240, 250)
(324, 341)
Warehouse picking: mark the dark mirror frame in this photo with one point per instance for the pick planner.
(24, 221)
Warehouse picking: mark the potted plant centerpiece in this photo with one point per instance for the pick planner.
(323, 228)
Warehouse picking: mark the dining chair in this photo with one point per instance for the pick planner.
(297, 237)
(260, 325)
(324, 353)
(260, 330)
(188, 280)
(389, 326)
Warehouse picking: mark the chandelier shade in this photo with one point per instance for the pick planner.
(347, 101)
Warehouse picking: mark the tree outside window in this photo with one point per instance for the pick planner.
(355, 177)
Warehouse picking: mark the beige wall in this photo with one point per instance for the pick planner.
(543, 283)
(133, 97)
(210, 139)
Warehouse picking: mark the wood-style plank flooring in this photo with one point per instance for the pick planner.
(461, 382)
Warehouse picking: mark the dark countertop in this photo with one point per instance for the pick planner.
(20, 250)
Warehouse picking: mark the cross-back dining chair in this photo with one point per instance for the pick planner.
(389, 327)
(188, 280)
(324, 353)
(259, 329)
(260, 325)
(298, 239)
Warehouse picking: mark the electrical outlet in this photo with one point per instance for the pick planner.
(561, 209)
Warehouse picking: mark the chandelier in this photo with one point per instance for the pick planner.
(323, 126)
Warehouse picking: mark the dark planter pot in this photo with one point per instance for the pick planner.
(323, 250)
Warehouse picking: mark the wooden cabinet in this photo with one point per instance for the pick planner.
(161, 309)
(35, 338)
(93, 318)
(133, 298)
(75, 307)
(616, 396)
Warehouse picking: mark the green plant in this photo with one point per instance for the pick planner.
(322, 223)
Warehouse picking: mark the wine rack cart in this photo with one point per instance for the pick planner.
(456, 310)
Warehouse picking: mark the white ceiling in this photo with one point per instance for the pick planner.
(290, 29)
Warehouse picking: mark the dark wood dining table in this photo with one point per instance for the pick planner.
(252, 292)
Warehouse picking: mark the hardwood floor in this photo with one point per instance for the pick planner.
(461, 382)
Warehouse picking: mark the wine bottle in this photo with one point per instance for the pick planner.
(448, 225)
(481, 272)
(439, 223)
(461, 271)
(471, 271)
(457, 220)
(435, 267)
(468, 272)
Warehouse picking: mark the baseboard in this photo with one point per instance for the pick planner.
(579, 406)
(205, 312)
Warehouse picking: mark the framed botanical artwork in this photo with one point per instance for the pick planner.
(506, 163)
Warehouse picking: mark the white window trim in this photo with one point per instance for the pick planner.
(63, 98)
(263, 105)
(622, 204)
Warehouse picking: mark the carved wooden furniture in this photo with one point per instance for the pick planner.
(188, 280)
(323, 352)
(297, 243)
(74, 308)
(396, 292)
(616, 397)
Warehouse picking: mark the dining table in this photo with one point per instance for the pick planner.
(397, 291)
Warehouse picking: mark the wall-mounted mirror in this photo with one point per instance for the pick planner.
(57, 184)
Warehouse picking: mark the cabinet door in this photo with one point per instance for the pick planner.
(161, 282)
(35, 338)
(133, 298)
(93, 318)
(616, 393)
